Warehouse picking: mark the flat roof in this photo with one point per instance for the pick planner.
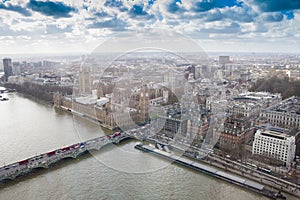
(273, 136)
(290, 105)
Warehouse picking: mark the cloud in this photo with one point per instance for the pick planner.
(216, 15)
(89, 20)
(240, 14)
(206, 5)
(138, 11)
(174, 6)
(116, 4)
(96, 15)
(100, 14)
(233, 28)
(113, 24)
(15, 8)
(54, 29)
(277, 5)
(273, 17)
(6, 31)
(49, 8)
(236, 14)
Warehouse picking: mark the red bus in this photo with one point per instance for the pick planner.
(23, 162)
(51, 153)
(65, 148)
(116, 134)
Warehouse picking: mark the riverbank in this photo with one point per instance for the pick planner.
(256, 187)
(41, 92)
(243, 170)
(106, 174)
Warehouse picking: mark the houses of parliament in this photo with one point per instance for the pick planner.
(119, 107)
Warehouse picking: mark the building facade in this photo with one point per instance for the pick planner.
(109, 114)
(174, 125)
(236, 131)
(285, 114)
(245, 109)
(274, 144)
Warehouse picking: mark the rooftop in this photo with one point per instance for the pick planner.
(291, 105)
(257, 96)
(86, 99)
(274, 132)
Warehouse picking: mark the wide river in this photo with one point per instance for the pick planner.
(28, 127)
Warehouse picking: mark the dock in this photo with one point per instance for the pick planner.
(212, 171)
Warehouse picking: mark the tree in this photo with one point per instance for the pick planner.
(286, 87)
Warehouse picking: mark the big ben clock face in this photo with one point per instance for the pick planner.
(142, 94)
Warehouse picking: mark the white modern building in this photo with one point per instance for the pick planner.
(273, 143)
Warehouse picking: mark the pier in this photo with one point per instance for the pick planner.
(212, 171)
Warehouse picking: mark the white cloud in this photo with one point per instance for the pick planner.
(237, 24)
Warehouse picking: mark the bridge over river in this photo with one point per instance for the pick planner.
(11, 171)
(23, 167)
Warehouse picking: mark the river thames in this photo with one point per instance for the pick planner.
(28, 127)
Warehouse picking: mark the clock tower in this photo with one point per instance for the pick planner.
(144, 105)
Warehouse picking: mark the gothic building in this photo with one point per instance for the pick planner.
(144, 105)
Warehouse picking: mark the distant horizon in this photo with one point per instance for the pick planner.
(222, 53)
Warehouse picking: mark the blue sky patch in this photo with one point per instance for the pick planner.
(206, 5)
(49, 8)
(277, 5)
(15, 8)
(288, 14)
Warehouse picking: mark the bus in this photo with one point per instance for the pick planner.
(24, 162)
(51, 153)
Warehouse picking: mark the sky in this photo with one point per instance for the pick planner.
(71, 26)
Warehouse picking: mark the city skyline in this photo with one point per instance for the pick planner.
(74, 26)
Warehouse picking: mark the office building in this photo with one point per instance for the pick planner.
(7, 65)
(276, 144)
(224, 60)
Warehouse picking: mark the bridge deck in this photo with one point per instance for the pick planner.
(44, 160)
